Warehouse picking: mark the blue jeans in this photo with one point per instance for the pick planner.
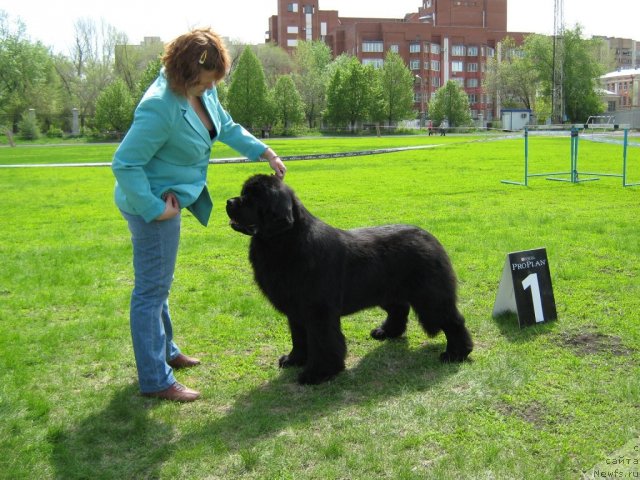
(155, 248)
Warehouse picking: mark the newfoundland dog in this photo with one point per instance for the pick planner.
(315, 273)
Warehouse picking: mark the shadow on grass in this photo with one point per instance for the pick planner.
(120, 441)
(389, 370)
(123, 441)
(511, 330)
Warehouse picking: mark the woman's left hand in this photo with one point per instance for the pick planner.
(278, 166)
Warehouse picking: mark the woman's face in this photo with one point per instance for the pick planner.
(206, 81)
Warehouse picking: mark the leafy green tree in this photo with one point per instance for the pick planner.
(248, 99)
(311, 60)
(148, 76)
(27, 77)
(289, 109)
(114, 108)
(451, 103)
(511, 77)
(396, 89)
(275, 62)
(350, 94)
(581, 69)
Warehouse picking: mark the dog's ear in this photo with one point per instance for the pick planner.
(277, 212)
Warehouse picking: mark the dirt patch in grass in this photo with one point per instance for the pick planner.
(533, 412)
(593, 343)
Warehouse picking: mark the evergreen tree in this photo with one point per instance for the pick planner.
(247, 98)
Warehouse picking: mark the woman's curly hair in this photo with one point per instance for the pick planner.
(191, 53)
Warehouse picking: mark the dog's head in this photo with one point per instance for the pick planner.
(264, 207)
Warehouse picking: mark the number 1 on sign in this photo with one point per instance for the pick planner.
(532, 282)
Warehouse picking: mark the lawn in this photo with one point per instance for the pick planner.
(554, 401)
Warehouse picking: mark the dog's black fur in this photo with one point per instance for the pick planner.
(315, 273)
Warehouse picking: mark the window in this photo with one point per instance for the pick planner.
(435, 65)
(375, 62)
(459, 81)
(414, 65)
(472, 82)
(414, 48)
(323, 29)
(457, 50)
(292, 30)
(472, 51)
(473, 99)
(435, 48)
(491, 52)
(394, 48)
(308, 9)
(435, 81)
(368, 47)
(457, 66)
(472, 67)
(292, 7)
(292, 42)
(425, 66)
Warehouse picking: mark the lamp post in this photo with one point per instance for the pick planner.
(421, 100)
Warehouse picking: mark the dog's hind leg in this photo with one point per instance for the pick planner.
(442, 315)
(396, 322)
(298, 355)
(459, 343)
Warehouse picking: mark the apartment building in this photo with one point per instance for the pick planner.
(625, 52)
(442, 40)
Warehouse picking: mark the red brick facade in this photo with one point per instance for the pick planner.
(444, 40)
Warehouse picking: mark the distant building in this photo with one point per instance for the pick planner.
(624, 51)
(444, 40)
(625, 86)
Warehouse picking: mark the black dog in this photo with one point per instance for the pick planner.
(314, 274)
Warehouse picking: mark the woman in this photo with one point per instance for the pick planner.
(160, 168)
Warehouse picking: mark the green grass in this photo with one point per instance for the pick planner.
(546, 402)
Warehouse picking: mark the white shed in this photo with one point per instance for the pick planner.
(515, 118)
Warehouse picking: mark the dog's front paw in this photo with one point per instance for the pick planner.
(286, 361)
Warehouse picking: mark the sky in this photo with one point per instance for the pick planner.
(247, 20)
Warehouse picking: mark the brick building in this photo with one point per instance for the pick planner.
(625, 84)
(443, 40)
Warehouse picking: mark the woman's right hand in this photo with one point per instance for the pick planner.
(171, 207)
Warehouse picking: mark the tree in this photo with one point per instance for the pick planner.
(451, 103)
(289, 110)
(581, 69)
(396, 89)
(114, 108)
(311, 60)
(275, 62)
(511, 77)
(93, 57)
(148, 76)
(26, 72)
(247, 98)
(350, 94)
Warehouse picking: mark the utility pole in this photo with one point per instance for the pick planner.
(557, 101)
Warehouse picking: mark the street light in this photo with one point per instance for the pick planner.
(421, 100)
